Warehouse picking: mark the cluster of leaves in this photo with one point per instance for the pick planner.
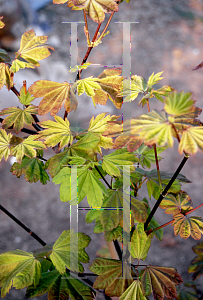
(137, 144)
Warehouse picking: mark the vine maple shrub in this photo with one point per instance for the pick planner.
(57, 269)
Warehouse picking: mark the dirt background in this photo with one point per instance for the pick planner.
(169, 38)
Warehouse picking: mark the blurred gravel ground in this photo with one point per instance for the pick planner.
(169, 38)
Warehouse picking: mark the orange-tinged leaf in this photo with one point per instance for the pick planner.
(27, 147)
(132, 142)
(4, 144)
(161, 281)
(100, 97)
(59, 1)
(56, 132)
(18, 117)
(110, 276)
(5, 76)
(54, 94)
(191, 140)
(176, 203)
(186, 226)
(32, 47)
(200, 66)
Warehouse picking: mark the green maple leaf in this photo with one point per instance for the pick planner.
(178, 104)
(27, 147)
(80, 67)
(140, 243)
(25, 97)
(130, 89)
(87, 85)
(161, 280)
(19, 64)
(18, 268)
(186, 226)
(32, 168)
(17, 116)
(191, 140)
(68, 251)
(60, 287)
(196, 265)
(134, 291)
(56, 132)
(147, 156)
(119, 157)
(154, 79)
(175, 204)
(88, 185)
(5, 76)
(111, 278)
(5, 140)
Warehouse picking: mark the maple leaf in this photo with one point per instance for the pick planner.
(111, 278)
(18, 116)
(178, 104)
(186, 226)
(87, 85)
(32, 168)
(5, 76)
(176, 203)
(95, 9)
(196, 265)
(160, 280)
(1, 23)
(4, 144)
(56, 132)
(25, 97)
(27, 147)
(191, 140)
(18, 268)
(54, 94)
(134, 291)
(32, 48)
(19, 64)
(4, 57)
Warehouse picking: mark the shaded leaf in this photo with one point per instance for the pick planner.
(4, 144)
(186, 226)
(27, 147)
(178, 203)
(17, 117)
(140, 243)
(146, 155)
(4, 57)
(113, 234)
(196, 265)
(160, 280)
(60, 287)
(134, 292)
(54, 95)
(187, 295)
(32, 168)
(110, 276)
(56, 132)
(68, 251)
(18, 268)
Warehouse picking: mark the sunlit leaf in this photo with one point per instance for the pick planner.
(32, 168)
(33, 48)
(68, 251)
(60, 287)
(19, 64)
(5, 76)
(25, 97)
(56, 132)
(161, 93)
(132, 142)
(191, 140)
(18, 269)
(87, 85)
(161, 280)
(110, 276)
(154, 79)
(140, 243)
(54, 95)
(27, 147)
(119, 157)
(186, 226)
(82, 67)
(17, 117)
(177, 203)
(178, 104)
(133, 292)
(130, 89)
(4, 144)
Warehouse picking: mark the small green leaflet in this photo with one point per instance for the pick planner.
(78, 67)
(32, 168)
(56, 132)
(119, 157)
(18, 117)
(4, 144)
(140, 243)
(68, 251)
(110, 276)
(60, 287)
(25, 98)
(130, 89)
(146, 155)
(87, 85)
(88, 185)
(27, 147)
(18, 268)
(154, 79)
(134, 292)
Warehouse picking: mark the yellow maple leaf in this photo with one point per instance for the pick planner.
(54, 94)
(5, 76)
